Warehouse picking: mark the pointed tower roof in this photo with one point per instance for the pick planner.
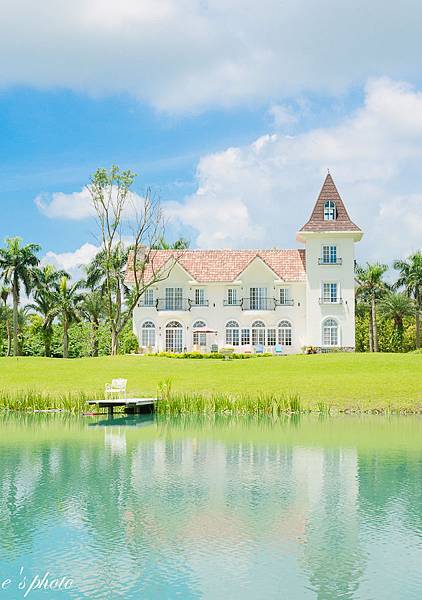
(342, 221)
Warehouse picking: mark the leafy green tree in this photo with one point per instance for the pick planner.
(120, 213)
(370, 288)
(92, 308)
(46, 280)
(410, 279)
(17, 264)
(66, 304)
(106, 272)
(397, 307)
(4, 296)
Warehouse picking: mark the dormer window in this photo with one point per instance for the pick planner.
(329, 211)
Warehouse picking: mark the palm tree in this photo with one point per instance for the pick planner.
(66, 306)
(411, 280)
(17, 264)
(92, 307)
(46, 281)
(4, 296)
(370, 288)
(396, 307)
(180, 244)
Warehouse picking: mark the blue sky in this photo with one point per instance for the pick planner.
(232, 113)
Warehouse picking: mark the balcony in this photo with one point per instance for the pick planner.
(328, 262)
(288, 302)
(173, 304)
(147, 304)
(331, 300)
(258, 304)
(232, 303)
(195, 304)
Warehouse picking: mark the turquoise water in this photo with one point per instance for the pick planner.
(222, 508)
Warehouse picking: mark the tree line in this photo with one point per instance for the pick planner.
(100, 304)
(101, 298)
(392, 309)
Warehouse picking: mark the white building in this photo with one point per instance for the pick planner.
(258, 300)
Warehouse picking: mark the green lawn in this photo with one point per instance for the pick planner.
(343, 380)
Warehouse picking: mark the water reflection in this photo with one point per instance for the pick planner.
(214, 508)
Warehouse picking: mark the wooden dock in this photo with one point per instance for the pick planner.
(132, 405)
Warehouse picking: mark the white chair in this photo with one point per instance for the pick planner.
(117, 386)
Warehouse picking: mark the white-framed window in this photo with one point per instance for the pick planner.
(174, 337)
(258, 333)
(258, 298)
(148, 334)
(148, 297)
(329, 292)
(329, 254)
(284, 295)
(271, 336)
(330, 332)
(199, 338)
(232, 333)
(232, 296)
(329, 211)
(285, 333)
(174, 298)
(245, 337)
(199, 298)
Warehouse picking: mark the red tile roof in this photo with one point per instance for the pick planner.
(226, 265)
(317, 223)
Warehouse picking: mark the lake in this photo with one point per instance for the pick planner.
(231, 508)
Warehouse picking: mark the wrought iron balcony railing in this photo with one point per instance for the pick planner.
(258, 303)
(287, 302)
(173, 304)
(330, 300)
(147, 304)
(327, 261)
(232, 303)
(203, 303)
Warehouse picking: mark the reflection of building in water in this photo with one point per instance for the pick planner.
(238, 507)
(115, 439)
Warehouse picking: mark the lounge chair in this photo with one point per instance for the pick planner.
(259, 349)
(116, 387)
(278, 350)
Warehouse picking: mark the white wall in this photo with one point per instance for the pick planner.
(343, 274)
(306, 315)
(216, 315)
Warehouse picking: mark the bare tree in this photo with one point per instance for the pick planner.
(122, 215)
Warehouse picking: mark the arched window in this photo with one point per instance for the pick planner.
(258, 333)
(232, 333)
(329, 211)
(285, 333)
(199, 339)
(330, 333)
(174, 337)
(148, 334)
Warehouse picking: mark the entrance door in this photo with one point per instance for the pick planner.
(174, 337)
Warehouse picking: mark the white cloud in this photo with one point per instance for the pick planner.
(282, 115)
(72, 262)
(75, 206)
(182, 55)
(260, 194)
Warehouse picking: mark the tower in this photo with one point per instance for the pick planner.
(329, 237)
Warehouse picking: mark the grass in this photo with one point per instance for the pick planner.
(387, 382)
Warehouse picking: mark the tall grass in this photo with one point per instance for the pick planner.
(170, 403)
(36, 400)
